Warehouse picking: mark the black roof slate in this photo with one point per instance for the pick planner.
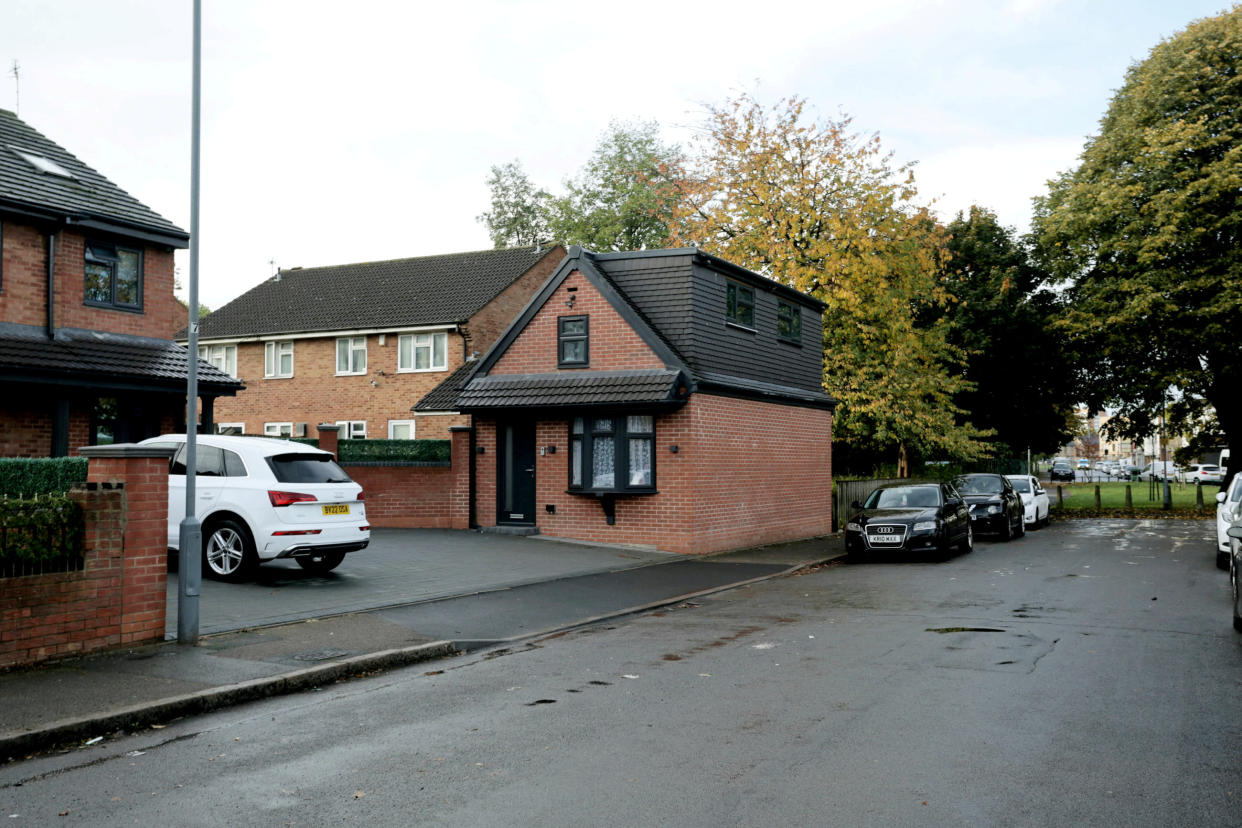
(99, 359)
(86, 197)
(427, 290)
(444, 396)
(571, 390)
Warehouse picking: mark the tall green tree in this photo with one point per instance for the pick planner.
(519, 214)
(1023, 385)
(814, 205)
(623, 198)
(1148, 232)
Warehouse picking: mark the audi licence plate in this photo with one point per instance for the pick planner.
(893, 539)
(336, 509)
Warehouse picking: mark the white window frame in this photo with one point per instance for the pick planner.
(417, 341)
(241, 428)
(352, 429)
(353, 346)
(278, 429)
(399, 423)
(223, 357)
(273, 354)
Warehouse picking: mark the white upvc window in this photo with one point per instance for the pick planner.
(351, 355)
(400, 429)
(422, 352)
(223, 357)
(230, 428)
(278, 429)
(278, 359)
(352, 429)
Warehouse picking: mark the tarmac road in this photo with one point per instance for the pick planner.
(1085, 674)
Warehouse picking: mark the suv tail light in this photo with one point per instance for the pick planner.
(289, 498)
(361, 495)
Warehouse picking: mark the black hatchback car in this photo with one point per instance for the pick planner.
(995, 506)
(920, 517)
(1061, 471)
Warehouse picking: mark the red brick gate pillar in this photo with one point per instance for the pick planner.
(143, 472)
(328, 437)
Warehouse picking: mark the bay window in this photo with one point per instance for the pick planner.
(613, 453)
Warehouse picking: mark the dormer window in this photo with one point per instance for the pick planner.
(740, 305)
(788, 322)
(113, 276)
(572, 341)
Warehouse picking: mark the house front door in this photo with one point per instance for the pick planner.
(515, 486)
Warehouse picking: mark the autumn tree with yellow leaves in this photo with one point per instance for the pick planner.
(814, 205)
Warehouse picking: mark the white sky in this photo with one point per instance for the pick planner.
(338, 132)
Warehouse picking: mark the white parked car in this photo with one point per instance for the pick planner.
(1227, 511)
(1035, 501)
(259, 499)
(1200, 473)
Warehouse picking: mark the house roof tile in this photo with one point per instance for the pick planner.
(83, 195)
(427, 290)
(95, 358)
(444, 396)
(571, 390)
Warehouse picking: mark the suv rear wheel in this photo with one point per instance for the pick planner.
(228, 554)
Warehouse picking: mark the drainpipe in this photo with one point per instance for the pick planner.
(51, 285)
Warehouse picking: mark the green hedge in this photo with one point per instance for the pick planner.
(30, 476)
(48, 528)
(425, 451)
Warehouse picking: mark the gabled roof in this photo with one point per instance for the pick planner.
(683, 355)
(651, 387)
(444, 396)
(29, 185)
(96, 359)
(428, 290)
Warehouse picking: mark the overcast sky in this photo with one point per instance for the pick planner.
(338, 132)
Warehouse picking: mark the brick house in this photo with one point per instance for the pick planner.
(359, 344)
(666, 398)
(87, 309)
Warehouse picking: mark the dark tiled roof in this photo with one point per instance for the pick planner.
(87, 195)
(94, 358)
(570, 389)
(428, 290)
(444, 396)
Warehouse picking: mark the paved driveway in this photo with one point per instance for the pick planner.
(400, 566)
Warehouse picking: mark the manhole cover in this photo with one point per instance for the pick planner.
(320, 655)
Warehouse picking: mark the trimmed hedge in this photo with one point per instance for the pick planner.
(425, 451)
(49, 528)
(31, 476)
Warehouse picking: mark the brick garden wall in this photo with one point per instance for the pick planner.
(119, 598)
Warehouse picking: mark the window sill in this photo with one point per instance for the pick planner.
(573, 365)
(597, 493)
(420, 370)
(793, 343)
(102, 306)
(279, 376)
(740, 327)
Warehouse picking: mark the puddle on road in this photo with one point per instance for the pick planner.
(943, 630)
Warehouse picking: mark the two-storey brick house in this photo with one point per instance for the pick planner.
(87, 309)
(665, 397)
(358, 345)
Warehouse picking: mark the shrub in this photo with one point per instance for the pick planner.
(425, 451)
(30, 476)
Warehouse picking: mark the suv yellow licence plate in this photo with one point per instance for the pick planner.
(336, 509)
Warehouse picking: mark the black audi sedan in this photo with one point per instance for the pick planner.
(1061, 471)
(995, 506)
(920, 517)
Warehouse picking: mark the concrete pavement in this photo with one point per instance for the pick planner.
(413, 595)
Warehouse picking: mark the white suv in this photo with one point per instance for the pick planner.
(260, 499)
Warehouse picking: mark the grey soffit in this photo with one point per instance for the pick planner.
(84, 194)
(760, 390)
(570, 389)
(444, 396)
(89, 357)
(427, 290)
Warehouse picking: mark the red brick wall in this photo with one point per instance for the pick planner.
(746, 473)
(314, 394)
(613, 344)
(486, 326)
(120, 596)
(23, 294)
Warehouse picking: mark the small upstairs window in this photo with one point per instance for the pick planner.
(112, 276)
(351, 355)
(572, 341)
(278, 359)
(788, 322)
(740, 305)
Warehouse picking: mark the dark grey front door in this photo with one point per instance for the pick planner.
(515, 486)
